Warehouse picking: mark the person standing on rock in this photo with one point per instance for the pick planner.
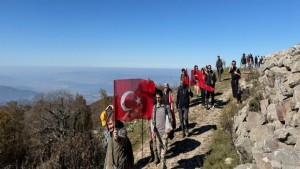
(235, 76)
(182, 104)
(161, 126)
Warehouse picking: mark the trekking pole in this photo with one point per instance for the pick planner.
(142, 138)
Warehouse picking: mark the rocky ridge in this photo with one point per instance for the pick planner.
(271, 136)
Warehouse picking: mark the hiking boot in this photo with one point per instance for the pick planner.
(151, 159)
(187, 132)
(163, 166)
(183, 134)
(155, 156)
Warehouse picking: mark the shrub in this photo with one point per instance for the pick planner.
(254, 104)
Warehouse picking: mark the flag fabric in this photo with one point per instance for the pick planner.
(202, 83)
(133, 99)
(194, 77)
(186, 78)
(201, 80)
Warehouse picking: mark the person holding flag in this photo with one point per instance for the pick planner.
(133, 99)
(118, 154)
(210, 81)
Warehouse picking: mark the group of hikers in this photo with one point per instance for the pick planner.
(249, 62)
(161, 126)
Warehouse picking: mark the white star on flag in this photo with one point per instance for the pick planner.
(138, 100)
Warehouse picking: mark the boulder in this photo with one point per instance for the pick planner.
(281, 135)
(287, 157)
(243, 146)
(293, 80)
(296, 98)
(254, 119)
(260, 133)
(263, 106)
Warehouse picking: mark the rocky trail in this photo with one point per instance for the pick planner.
(189, 152)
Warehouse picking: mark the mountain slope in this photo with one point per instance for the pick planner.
(9, 93)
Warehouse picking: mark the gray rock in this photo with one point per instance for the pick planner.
(271, 113)
(297, 146)
(245, 166)
(281, 135)
(254, 119)
(296, 67)
(263, 106)
(287, 157)
(270, 145)
(293, 80)
(296, 98)
(261, 133)
(243, 146)
(240, 118)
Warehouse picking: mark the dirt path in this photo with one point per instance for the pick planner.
(188, 152)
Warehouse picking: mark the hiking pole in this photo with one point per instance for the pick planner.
(142, 138)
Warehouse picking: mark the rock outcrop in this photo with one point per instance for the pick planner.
(271, 136)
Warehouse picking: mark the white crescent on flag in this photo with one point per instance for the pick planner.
(123, 101)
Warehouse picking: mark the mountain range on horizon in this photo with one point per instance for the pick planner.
(23, 83)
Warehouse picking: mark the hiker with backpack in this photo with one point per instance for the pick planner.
(119, 153)
(182, 104)
(168, 100)
(219, 66)
(161, 126)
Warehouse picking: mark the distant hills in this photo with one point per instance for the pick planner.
(9, 93)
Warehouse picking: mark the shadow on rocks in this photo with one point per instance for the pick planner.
(180, 147)
(191, 125)
(195, 102)
(203, 129)
(141, 163)
(220, 103)
(194, 162)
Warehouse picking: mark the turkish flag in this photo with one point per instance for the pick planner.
(194, 77)
(133, 99)
(202, 84)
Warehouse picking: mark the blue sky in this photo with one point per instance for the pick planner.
(143, 33)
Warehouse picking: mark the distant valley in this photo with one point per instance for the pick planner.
(9, 93)
(23, 83)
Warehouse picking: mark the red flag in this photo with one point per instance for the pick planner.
(186, 78)
(133, 99)
(202, 84)
(194, 77)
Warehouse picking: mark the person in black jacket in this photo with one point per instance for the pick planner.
(182, 104)
(235, 76)
(210, 81)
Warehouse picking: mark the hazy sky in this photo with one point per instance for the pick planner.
(143, 33)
